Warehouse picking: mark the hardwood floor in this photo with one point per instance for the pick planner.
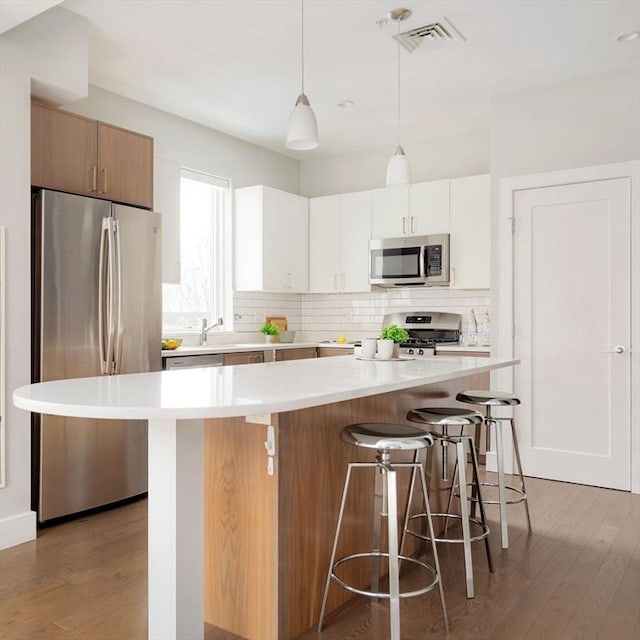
(577, 577)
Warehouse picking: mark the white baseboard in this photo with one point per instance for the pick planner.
(17, 529)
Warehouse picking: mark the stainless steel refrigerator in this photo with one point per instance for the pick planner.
(96, 310)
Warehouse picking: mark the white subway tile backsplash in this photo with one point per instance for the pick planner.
(352, 314)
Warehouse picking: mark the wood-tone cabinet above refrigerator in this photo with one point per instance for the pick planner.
(78, 155)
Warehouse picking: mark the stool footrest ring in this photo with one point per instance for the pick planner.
(484, 529)
(383, 594)
(521, 494)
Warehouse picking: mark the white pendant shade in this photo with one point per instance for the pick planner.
(302, 130)
(398, 171)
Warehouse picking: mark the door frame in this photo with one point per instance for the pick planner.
(503, 300)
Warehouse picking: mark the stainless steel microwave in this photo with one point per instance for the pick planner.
(409, 261)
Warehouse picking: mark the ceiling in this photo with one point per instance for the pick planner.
(234, 65)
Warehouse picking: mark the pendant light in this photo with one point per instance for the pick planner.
(398, 168)
(302, 129)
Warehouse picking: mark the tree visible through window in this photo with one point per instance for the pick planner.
(203, 286)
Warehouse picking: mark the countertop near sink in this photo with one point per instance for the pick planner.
(195, 350)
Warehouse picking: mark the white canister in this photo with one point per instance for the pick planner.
(369, 347)
(385, 349)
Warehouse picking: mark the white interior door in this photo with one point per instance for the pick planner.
(572, 311)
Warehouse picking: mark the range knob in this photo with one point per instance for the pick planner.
(410, 352)
(420, 352)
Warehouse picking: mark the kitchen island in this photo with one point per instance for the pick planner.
(260, 542)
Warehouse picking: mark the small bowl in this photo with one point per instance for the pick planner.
(287, 336)
(169, 344)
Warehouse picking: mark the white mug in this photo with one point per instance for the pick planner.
(369, 348)
(385, 349)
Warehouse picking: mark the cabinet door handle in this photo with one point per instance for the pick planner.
(404, 224)
(335, 280)
(413, 224)
(342, 281)
(453, 276)
(93, 178)
(104, 181)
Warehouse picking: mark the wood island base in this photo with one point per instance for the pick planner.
(268, 537)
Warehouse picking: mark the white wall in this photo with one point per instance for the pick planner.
(51, 48)
(452, 156)
(583, 122)
(192, 145)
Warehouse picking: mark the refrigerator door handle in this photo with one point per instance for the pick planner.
(119, 328)
(111, 284)
(103, 303)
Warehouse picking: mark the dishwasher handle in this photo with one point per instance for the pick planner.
(192, 362)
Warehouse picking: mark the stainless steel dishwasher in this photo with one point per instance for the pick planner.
(191, 362)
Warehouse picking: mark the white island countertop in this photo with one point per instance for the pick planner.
(241, 390)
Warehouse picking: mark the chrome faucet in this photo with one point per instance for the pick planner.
(205, 329)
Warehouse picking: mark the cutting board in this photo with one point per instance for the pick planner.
(280, 322)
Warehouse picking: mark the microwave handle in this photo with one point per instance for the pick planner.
(423, 266)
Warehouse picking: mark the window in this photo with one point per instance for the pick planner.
(205, 273)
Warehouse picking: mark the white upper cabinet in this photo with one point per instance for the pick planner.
(339, 233)
(271, 240)
(419, 209)
(390, 212)
(166, 198)
(324, 237)
(470, 228)
(429, 208)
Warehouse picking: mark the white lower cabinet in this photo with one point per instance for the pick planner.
(271, 240)
(339, 233)
(470, 229)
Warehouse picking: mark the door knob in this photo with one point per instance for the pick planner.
(617, 349)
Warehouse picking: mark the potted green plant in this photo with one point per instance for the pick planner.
(270, 331)
(389, 341)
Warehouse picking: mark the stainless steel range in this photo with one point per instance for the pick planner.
(426, 329)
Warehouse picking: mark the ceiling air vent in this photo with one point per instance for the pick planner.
(435, 35)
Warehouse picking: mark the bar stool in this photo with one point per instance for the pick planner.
(385, 438)
(446, 418)
(488, 399)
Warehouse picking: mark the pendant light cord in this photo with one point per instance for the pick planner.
(398, 62)
(302, 45)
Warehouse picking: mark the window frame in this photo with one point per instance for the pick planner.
(220, 292)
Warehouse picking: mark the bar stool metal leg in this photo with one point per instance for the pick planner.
(464, 512)
(378, 507)
(394, 572)
(522, 486)
(434, 550)
(483, 515)
(334, 548)
(502, 492)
